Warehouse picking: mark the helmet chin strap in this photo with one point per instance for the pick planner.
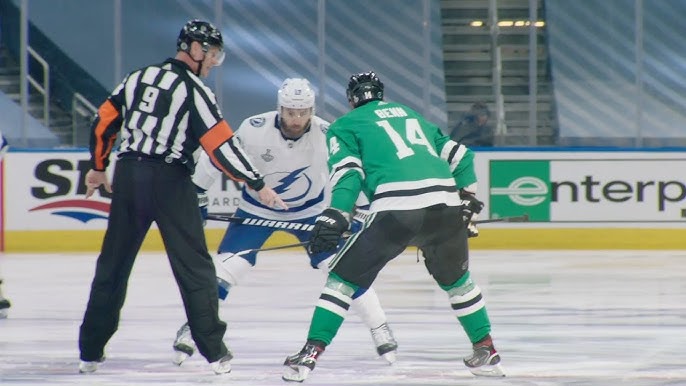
(199, 62)
(204, 55)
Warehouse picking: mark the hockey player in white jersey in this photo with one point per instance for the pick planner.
(288, 146)
(4, 303)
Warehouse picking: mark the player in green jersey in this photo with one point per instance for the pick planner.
(421, 187)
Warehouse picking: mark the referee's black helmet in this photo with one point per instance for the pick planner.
(199, 31)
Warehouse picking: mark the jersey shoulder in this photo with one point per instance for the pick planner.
(196, 83)
(257, 127)
(353, 120)
(259, 122)
(319, 124)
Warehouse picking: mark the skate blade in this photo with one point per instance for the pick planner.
(179, 357)
(87, 371)
(87, 367)
(295, 373)
(390, 357)
(223, 368)
(488, 371)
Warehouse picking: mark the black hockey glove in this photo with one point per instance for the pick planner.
(327, 232)
(471, 207)
(203, 202)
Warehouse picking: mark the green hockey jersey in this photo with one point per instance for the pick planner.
(396, 158)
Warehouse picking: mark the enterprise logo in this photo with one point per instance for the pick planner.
(525, 191)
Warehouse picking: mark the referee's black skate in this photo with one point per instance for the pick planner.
(184, 345)
(4, 304)
(299, 366)
(4, 307)
(87, 367)
(222, 366)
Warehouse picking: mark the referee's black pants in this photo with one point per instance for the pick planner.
(147, 190)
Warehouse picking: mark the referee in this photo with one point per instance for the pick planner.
(164, 113)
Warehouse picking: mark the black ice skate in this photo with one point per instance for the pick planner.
(485, 360)
(299, 366)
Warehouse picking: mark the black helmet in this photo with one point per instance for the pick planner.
(364, 87)
(200, 31)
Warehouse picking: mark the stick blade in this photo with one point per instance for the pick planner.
(522, 218)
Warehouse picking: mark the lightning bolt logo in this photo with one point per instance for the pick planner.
(286, 182)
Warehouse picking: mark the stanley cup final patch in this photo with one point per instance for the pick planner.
(267, 157)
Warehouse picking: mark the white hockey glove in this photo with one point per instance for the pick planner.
(471, 207)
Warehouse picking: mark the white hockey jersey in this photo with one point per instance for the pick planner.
(296, 169)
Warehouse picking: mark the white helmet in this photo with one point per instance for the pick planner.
(295, 93)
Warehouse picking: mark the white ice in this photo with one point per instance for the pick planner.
(559, 318)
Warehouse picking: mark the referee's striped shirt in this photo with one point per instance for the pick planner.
(165, 111)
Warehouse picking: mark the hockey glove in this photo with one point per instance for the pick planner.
(471, 207)
(203, 202)
(327, 232)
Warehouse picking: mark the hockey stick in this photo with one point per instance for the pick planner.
(292, 225)
(522, 218)
(303, 244)
(262, 222)
(308, 227)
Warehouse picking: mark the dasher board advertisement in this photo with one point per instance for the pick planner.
(46, 191)
(589, 190)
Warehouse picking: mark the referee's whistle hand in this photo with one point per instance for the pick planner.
(94, 179)
(269, 197)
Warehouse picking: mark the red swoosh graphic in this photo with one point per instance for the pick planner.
(86, 204)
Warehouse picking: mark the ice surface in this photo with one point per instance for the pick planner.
(559, 318)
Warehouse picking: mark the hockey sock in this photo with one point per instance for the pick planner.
(368, 308)
(332, 306)
(230, 270)
(323, 266)
(469, 307)
(360, 291)
(223, 288)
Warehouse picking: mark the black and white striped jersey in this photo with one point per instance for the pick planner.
(165, 111)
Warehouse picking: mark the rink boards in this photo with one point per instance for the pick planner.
(575, 199)
(513, 239)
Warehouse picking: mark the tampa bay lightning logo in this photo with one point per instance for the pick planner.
(292, 186)
(257, 122)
